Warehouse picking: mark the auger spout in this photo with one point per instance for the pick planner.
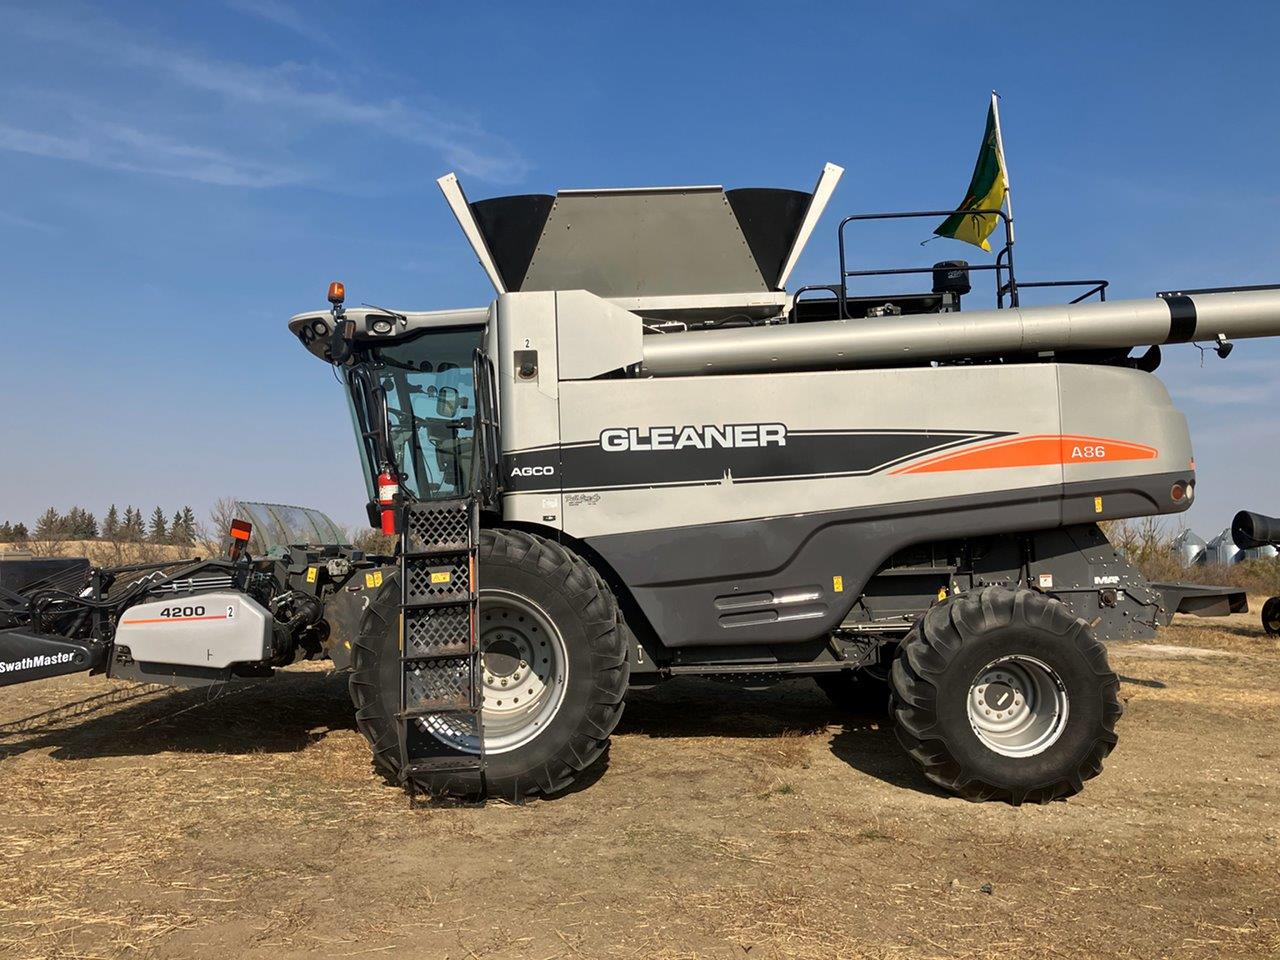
(890, 341)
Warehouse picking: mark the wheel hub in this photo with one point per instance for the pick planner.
(523, 669)
(501, 657)
(999, 696)
(1017, 706)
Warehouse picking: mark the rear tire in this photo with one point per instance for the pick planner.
(518, 571)
(1003, 694)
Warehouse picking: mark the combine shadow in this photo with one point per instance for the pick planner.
(280, 715)
(692, 708)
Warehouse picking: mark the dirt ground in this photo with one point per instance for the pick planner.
(726, 824)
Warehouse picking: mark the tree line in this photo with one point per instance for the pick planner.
(127, 527)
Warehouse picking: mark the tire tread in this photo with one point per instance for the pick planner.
(932, 645)
(608, 639)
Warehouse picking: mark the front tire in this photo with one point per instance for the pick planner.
(548, 625)
(1003, 694)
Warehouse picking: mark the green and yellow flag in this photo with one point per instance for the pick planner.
(987, 191)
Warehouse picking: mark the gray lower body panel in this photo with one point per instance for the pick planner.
(794, 578)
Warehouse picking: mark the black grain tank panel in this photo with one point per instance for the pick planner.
(512, 227)
(770, 219)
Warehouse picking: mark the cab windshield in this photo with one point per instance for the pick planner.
(429, 385)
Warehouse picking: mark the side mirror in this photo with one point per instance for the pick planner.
(340, 341)
(447, 402)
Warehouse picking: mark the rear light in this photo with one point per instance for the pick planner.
(1178, 492)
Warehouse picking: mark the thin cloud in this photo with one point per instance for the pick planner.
(284, 16)
(1224, 393)
(137, 151)
(287, 93)
(25, 223)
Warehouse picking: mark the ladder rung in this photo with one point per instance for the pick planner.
(449, 602)
(437, 657)
(435, 708)
(435, 553)
(467, 764)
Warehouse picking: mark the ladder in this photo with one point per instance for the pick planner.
(440, 699)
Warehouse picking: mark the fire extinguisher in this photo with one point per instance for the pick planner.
(388, 493)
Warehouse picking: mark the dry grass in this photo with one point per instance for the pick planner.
(102, 553)
(1148, 543)
(155, 823)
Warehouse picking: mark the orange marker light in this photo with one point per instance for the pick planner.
(240, 530)
(337, 292)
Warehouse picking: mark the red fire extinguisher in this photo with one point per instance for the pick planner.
(388, 492)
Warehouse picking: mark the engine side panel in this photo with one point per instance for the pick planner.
(811, 442)
(753, 509)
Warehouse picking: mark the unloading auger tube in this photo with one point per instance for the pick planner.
(1116, 324)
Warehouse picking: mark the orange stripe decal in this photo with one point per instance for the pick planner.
(130, 623)
(1034, 451)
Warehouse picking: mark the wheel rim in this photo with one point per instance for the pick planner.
(524, 669)
(1018, 706)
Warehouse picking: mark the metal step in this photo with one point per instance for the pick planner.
(468, 764)
(439, 641)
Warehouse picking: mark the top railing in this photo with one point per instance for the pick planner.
(1007, 285)
(1003, 263)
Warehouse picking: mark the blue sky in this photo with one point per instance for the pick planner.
(176, 180)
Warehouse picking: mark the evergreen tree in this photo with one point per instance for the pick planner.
(133, 530)
(20, 533)
(182, 531)
(6, 532)
(159, 531)
(80, 524)
(111, 524)
(49, 525)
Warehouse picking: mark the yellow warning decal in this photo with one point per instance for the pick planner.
(942, 594)
(372, 580)
(442, 577)
(312, 573)
(837, 584)
(1097, 504)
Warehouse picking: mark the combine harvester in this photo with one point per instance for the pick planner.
(646, 459)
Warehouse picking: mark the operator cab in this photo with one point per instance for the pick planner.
(419, 389)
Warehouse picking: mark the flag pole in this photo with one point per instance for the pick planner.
(1008, 188)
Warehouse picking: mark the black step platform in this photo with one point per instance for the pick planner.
(439, 644)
